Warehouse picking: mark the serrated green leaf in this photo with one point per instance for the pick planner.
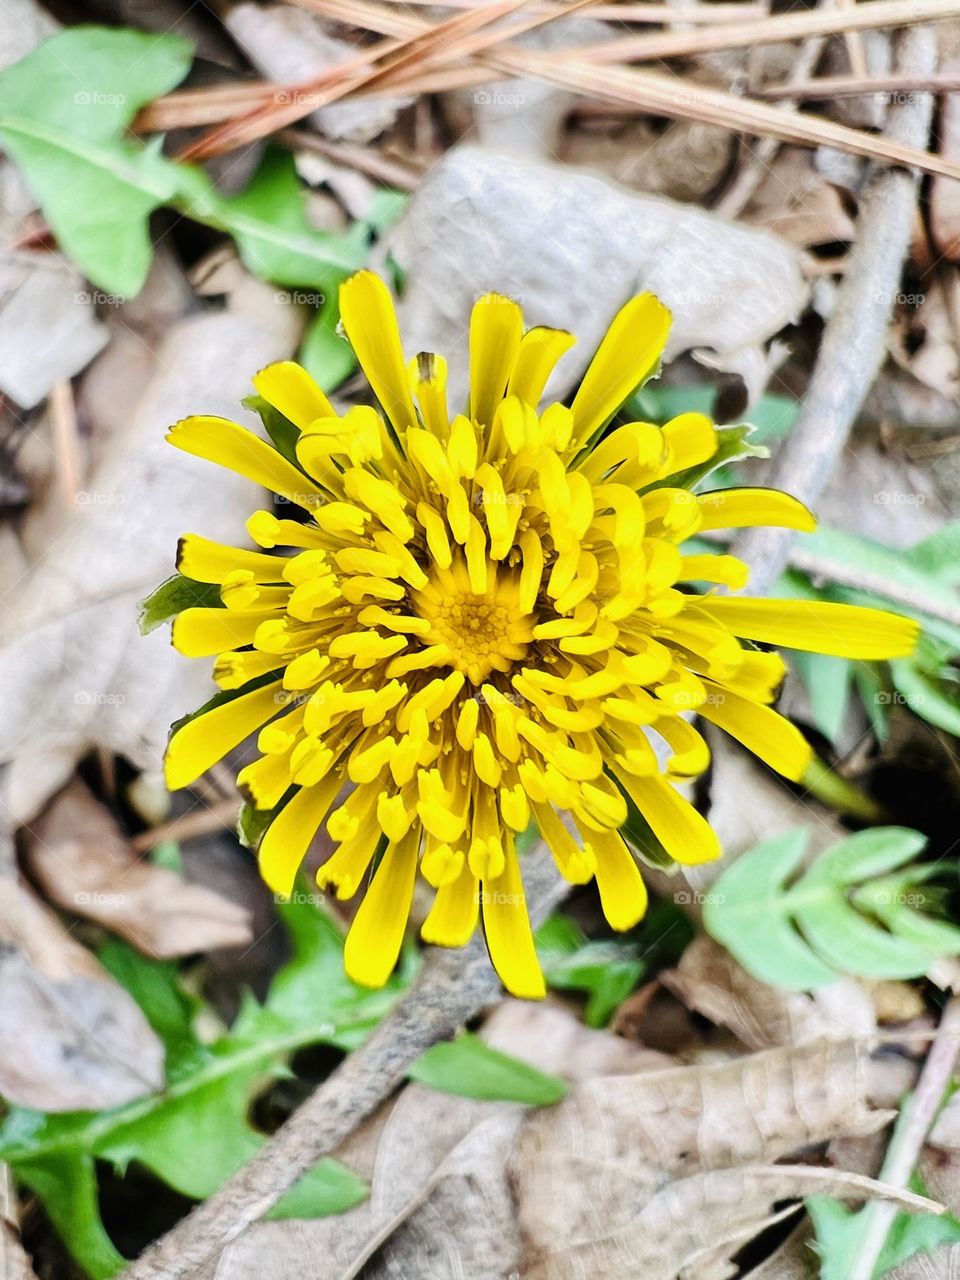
(939, 554)
(471, 1069)
(743, 913)
(173, 596)
(197, 1132)
(827, 923)
(927, 683)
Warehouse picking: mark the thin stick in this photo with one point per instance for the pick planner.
(854, 340)
(780, 26)
(918, 1114)
(198, 822)
(890, 87)
(452, 987)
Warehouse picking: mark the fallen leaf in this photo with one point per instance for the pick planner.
(79, 858)
(71, 1039)
(798, 203)
(591, 246)
(74, 671)
(672, 1170)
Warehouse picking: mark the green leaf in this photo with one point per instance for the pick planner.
(832, 920)
(827, 680)
(281, 430)
(939, 554)
(63, 113)
(172, 597)
(323, 352)
(197, 1132)
(273, 234)
(468, 1067)
(606, 970)
(927, 682)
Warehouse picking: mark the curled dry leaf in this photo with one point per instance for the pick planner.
(82, 862)
(74, 672)
(591, 246)
(71, 1039)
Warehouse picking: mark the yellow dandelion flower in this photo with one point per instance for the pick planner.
(481, 621)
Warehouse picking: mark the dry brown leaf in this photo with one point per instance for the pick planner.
(710, 981)
(71, 1039)
(942, 1264)
(74, 671)
(670, 1162)
(798, 203)
(83, 863)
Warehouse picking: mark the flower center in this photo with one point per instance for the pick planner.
(483, 631)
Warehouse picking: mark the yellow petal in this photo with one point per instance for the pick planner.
(747, 508)
(288, 837)
(629, 352)
(623, 895)
(289, 388)
(207, 738)
(845, 630)
(507, 928)
(207, 561)
(370, 322)
(761, 730)
(684, 833)
(234, 447)
(691, 439)
(376, 934)
(496, 327)
(428, 381)
(726, 570)
(201, 633)
(453, 916)
(539, 351)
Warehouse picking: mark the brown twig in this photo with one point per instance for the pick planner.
(198, 822)
(452, 987)
(854, 340)
(890, 87)
(772, 30)
(392, 172)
